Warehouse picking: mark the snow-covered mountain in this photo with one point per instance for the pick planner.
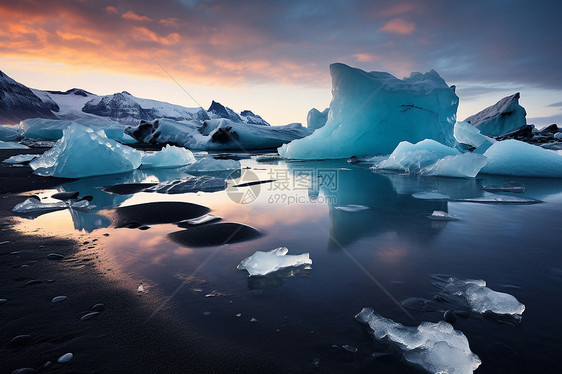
(18, 102)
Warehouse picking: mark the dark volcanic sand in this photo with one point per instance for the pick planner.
(119, 339)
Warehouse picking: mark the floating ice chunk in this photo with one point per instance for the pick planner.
(512, 157)
(198, 221)
(83, 152)
(439, 215)
(9, 133)
(33, 205)
(498, 199)
(20, 159)
(506, 187)
(480, 298)
(351, 208)
(262, 263)
(267, 157)
(371, 113)
(504, 116)
(316, 119)
(168, 157)
(206, 164)
(430, 196)
(467, 134)
(414, 157)
(466, 165)
(12, 145)
(52, 129)
(190, 183)
(436, 347)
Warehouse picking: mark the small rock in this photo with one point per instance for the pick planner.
(20, 340)
(462, 313)
(379, 354)
(2, 301)
(33, 282)
(58, 299)
(316, 362)
(239, 315)
(349, 348)
(144, 227)
(87, 198)
(65, 358)
(4, 242)
(55, 256)
(449, 316)
(206, 313)
(253, 320)
(89, 316)
(106, 234)
(98, 307)
(47, 364)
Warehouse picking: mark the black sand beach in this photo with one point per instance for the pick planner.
(119, 339)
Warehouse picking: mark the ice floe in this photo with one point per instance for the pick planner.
(209, 163)
(12, 145)
(263, 263)
(33, 205)
(190, 183)
(168, 157)
(20, 159)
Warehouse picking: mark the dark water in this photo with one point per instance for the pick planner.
(374, 257)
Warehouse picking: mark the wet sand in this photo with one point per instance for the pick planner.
(119, 339)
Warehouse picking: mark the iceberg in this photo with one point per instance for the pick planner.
(414, 157)
(83, 152)
(466, 165)
(371, 113)
(9, 133)
(504, 116)
(263, 263)
(467, 134)
(206, 164)
(168, 157)
(516, 158)
(480, 298)
(436, 347)
(34, 205)
(316, 119)
(19, 159)
(12, 145)
(52, 129)
(216, 134)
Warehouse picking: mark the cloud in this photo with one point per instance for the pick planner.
(365, 57)
(111, 10)
(557, 104)
(132, 16)
(399, 26)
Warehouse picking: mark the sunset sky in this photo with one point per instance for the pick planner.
(272, 56)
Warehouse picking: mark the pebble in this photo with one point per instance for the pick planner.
(23, 371)
(88, 316)
(87, 198)
(239, 315)
(253, 320)
(58, 299)
(206, 313)
(55, 256)
(449, 316)
(98, 307)
(20, 340)
(65, 358)
(316, 362)
(106, 234)
(144, 227)
(349, 348)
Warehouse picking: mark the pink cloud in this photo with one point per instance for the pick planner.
(132, 16)
(365, 57)
(111, 10)
(398, 9)
(399, 26)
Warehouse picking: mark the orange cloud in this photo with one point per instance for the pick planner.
(399, 26)
(172, 22)
(132, 16)
(365, 57)
(111, 10)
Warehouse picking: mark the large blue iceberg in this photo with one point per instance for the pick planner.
(371, 113)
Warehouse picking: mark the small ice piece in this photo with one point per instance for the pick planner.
(439, 215)
(206, 164)
(466, 165)
(262, 263)
(20, 159)
(83, 152)
(65, 358)
(498, 199)
(33, 205)
(436, 347)
(349, 348)
(168, 157)
(513, 157)
(12, 145)
(190, 183)
(414, 157)
(481, 298)
(506, 187)
(58, 299)
(430, 196)
(253, 320)
(198, 221)
(351, 208)
(467, 134)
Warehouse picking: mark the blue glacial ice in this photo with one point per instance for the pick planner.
(19, 159)
(512, 157)
(12, 145)
(371, 113)
(467, 134)
(316, 119)
(208, 163)
(504, 116)
(9, 133)
(263, 263)
(216, 134)
(466, 165)
(436, 347)
(168, 157)
(83, 152)
(414, 157)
